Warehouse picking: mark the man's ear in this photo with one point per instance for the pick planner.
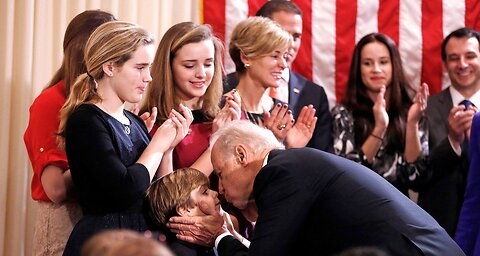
(241, 154)
(183, 211)
(108, 68)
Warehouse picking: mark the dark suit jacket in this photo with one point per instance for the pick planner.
(468, 231)
(302, 92)
(315, 203)
(442, 193)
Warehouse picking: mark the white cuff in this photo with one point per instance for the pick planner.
(245, 241)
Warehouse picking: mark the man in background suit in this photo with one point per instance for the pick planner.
(309, 202)
(449, 122)
(299, 91)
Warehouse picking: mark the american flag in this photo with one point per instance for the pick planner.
(331, 29)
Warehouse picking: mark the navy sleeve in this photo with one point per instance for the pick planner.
(229, 246)
(283, 203)
(322, 135)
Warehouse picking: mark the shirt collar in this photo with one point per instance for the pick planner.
(457, 97)
(265, 161)
(286, 74)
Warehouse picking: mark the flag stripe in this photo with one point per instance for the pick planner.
(472, 14)
(254, 6)
(366, 9)
(453, 18)
(432, 33)
(214, 14)
(410, 40)
(331, 29)
(323, 41)
(235, 12)
(389, 19)
(344, 43)
(304, 66)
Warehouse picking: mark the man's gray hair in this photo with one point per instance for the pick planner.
(247, 133)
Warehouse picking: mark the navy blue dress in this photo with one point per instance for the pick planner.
(110, 185)
(468, 229)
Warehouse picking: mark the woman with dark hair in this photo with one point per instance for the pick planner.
(378, 124)
(57, 213)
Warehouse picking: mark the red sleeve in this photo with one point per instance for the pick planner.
(40, 139)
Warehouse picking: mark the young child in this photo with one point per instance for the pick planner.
(178, 194)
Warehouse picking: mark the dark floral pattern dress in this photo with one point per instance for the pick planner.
(393, 167)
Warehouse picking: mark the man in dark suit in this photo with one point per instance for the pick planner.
(309, 202)
(449, 122)
(298, 91)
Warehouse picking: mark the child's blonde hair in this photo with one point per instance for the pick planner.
(172, 191)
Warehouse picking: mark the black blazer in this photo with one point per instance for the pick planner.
(302, 92)
(315, 203)
(442, 194)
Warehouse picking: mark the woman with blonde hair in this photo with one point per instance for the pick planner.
(111, 156)
(259, 48)
(52, 186)
(187, 70)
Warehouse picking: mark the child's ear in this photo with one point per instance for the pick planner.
(108, 68)
(183, 211)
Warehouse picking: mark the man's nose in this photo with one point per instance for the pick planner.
(463, 62)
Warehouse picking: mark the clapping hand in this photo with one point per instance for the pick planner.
(182, 123)
(460, 122)
(280, 121)
(232, 110)
(164, 136)
(380, 113)
(419, 105)
(148, 118)
(303, 129)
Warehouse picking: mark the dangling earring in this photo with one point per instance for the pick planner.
(246, 65)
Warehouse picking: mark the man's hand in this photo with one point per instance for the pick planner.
(201, 230)
(459, 123)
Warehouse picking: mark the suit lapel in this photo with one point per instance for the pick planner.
(295, 87)
(445, 101)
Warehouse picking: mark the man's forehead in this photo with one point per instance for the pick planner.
(456, 44)
(281, 15)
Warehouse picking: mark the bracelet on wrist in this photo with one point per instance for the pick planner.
(376, 136)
